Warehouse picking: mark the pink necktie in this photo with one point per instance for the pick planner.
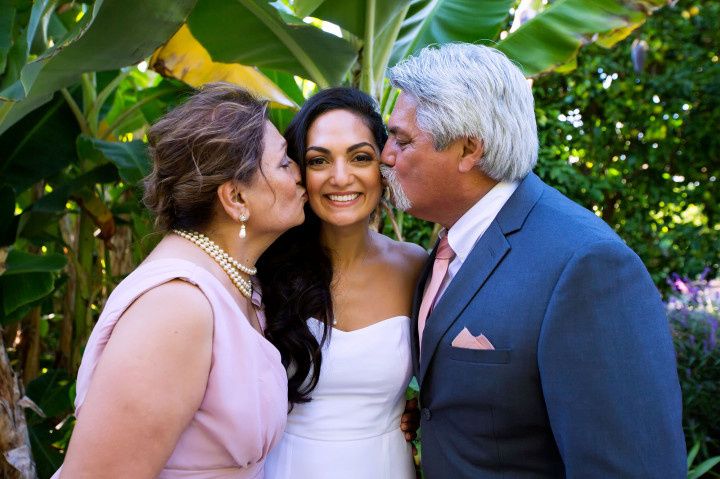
(443, 256)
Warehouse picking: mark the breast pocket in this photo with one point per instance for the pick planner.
(481, 356)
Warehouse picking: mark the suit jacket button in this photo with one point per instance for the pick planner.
(426, 414)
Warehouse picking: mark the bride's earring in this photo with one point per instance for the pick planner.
(243, 231)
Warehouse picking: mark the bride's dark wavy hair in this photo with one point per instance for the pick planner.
(295, 272)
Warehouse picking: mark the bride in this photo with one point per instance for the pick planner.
(338, 284)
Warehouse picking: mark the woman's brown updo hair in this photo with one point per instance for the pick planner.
(215, 136)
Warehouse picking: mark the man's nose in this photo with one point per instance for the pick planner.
(387, 156)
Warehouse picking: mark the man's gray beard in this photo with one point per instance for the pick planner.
(397, 195)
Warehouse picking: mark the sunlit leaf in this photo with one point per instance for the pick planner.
(254, 33)
(553, 37)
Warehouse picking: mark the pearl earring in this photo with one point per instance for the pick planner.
(243, 231)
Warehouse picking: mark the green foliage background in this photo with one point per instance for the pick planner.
(639, 146)
(642, 148)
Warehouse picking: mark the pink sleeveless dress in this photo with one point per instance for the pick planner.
(244, 410)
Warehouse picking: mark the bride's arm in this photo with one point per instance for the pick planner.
(149, 382)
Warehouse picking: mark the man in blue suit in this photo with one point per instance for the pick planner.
(541, 345)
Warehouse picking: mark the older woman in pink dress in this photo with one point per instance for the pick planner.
(178, 380)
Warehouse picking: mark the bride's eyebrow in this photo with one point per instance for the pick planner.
(317, 148)
(359, 145)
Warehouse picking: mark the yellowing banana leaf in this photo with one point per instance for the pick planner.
(184, 58)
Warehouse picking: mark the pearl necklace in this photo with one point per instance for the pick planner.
(231, 267)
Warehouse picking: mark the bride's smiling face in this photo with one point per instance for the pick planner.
(342, 169)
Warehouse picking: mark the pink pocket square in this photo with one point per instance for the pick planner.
(466, 340)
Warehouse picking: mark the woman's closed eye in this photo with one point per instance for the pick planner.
(286, 162)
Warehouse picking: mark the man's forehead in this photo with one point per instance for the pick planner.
(403, 114)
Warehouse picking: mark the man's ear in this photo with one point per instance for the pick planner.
(230, 195)
(472, 152)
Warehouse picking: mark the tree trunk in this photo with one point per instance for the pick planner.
(31, 345)
(63, 354)
(121, 258)
(15, 454)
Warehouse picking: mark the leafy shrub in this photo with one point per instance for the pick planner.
(694, 312)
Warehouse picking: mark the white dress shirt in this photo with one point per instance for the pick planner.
(463, 235)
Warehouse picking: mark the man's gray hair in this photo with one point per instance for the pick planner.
(472, 91)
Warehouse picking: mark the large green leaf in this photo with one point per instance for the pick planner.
(115, 33)
(553, 37)
(442, 21)
(18, 290)
(130, 158)
(38, 146)
(27, 279)
(304, 8)
(253, 32)
(20, 262)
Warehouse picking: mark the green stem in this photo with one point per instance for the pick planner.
(5, 108)
(94, 114)
(83, 270)
(366, 73)
(385, 50)
(126, 114)
(87, 81)
(76, 111)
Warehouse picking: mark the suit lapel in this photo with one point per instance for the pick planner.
(417, 301)
(485, 256)
(490, 249)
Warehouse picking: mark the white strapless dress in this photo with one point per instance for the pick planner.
(351, 428)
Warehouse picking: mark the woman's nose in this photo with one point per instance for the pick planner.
(341, 174)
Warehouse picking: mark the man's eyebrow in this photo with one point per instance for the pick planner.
(396, 130)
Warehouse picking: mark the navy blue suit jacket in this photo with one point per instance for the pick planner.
(582, 382)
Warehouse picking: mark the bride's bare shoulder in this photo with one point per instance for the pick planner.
(408, 256)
